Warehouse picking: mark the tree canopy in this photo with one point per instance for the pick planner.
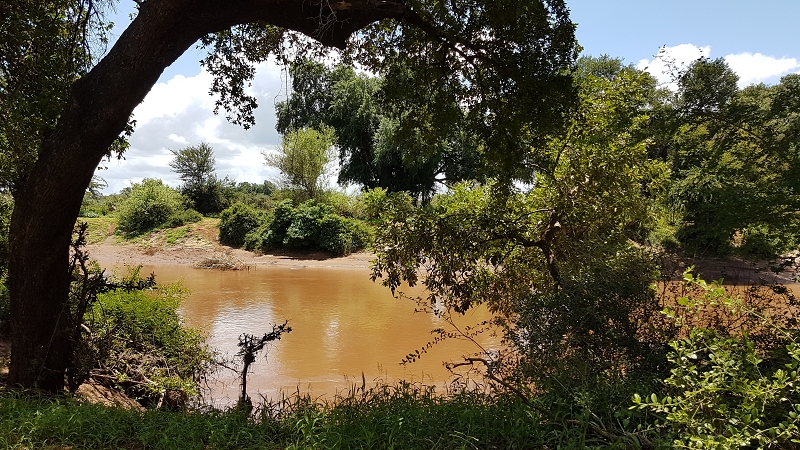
(734, 156)
(304, 159)
(505, 61)
(376, 146)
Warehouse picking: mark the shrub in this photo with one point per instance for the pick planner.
(138, 335)
(311, 226)
(343, 204)
(236, 221)
(183, 217)
(342, 236)
(259, 240)
(305, 229)
(727, 390)
(148, 206)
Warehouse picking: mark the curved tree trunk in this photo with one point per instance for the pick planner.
(48, 201)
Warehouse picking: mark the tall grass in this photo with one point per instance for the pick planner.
(401, 416)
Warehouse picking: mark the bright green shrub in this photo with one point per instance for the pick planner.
(139, 334)
(236, 221)
(259, 239)
(148, 206)
(343, 204)
(304, 231)
(311, 226)
(183, 217)
(727, 389)
(342, 236)
(283, 216)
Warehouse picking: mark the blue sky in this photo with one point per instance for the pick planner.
(758, 39)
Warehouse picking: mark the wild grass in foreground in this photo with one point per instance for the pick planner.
(403, 416)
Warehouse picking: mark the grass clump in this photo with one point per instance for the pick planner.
(404, 415)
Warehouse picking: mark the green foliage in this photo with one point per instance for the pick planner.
(725, 390)
(374, 149)
(343, 204)
(404, 416)
(309, 226)
(139, 339)
(40, 57)
(182, 217)
(734, 158)
(342, 236)
(304, 159)
(236, 221)
(556, 263)
(149, 205)
(196, 167)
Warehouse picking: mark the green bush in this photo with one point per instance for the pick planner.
(138, 335)
(304, 231)
(726, 389)
(236, 221)
(183, 217)
(309, 226)
(342, 236)
(260, 239)
(148, 206)
(343, 204)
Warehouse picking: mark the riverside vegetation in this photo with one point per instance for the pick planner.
(547, 189)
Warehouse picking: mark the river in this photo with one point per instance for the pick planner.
(343, 325)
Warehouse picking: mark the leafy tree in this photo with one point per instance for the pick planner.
(149, 205)
(735, 160)
(304, 159)
(196, 167)
(556, 263)
(504, 61)
(372, 150)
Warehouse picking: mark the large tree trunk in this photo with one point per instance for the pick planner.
(48, 201)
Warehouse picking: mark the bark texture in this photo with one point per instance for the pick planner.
(48, 201)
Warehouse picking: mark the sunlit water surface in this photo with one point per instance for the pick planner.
(342, 323)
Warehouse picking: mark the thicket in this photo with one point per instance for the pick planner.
(139, 345)
(308, 226)
(733, 374)
(150, 204)
(236, 221)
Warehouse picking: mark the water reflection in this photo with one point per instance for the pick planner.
(343, 324)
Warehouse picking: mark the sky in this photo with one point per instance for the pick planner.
(759, 40)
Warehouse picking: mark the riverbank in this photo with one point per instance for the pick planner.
(193, 243)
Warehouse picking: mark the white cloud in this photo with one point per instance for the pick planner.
(179, 113)
(756, 68)
(670, 59)
(751, 67)
(174, 97)
(179, 139)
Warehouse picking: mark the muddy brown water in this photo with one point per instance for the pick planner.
(343, 325)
